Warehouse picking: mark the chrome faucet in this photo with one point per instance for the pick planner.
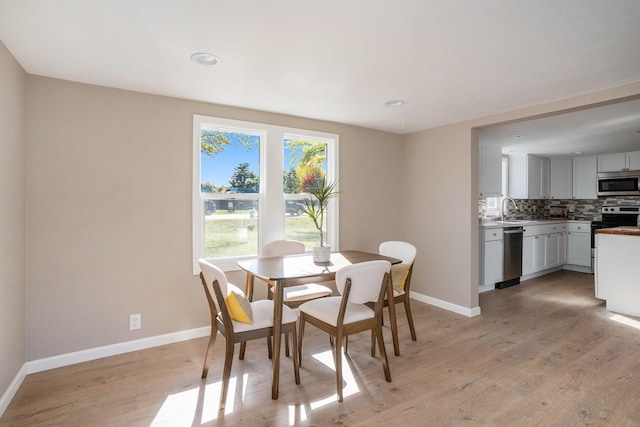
(507, 199)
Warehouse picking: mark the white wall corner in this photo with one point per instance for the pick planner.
(465, 311)
(13, 389)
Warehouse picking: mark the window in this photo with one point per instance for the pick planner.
(248, 187)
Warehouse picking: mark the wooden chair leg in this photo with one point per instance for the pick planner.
(226, 373)
(373, 343)
(294, 341)
(300, 336)
(338, 363)
(207, 360)
(407, 309)
(286, 344)
(383, 354)
(393, 321)
(269, 348)
(243, 347)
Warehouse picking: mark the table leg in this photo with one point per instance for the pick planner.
(249, 292)
(392, 318)
(277, 334)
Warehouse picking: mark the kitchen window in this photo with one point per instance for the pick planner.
(248, 187)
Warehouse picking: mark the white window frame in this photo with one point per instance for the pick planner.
(271, 197)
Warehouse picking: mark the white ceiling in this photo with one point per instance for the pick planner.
(608, 129)
(336, 60)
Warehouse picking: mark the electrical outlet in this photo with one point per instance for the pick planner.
(135, 321)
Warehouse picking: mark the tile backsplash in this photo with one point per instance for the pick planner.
(583, 209)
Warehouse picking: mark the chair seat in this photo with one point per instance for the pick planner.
(304, 292)
(263, 316)
(326, 310)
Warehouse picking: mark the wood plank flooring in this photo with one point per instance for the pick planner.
(545, 352)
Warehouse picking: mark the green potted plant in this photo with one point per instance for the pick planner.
(316, 208)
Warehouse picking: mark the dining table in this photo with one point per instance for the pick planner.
(291, 270)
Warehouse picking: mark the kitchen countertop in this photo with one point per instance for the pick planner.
(625, 231)
(525, 222)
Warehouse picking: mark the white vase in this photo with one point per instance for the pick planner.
(321, 254)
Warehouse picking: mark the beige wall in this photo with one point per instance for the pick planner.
(109, 212)
(109, 218)
(440, 176)
(12, 217)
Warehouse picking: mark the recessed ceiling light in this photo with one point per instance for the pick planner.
(204, 58)
(394, 103)
(517, 136)
(577, 152)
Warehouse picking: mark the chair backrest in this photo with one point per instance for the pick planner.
(397, 249)
(366, 280)
(211, 273)
(282, 248)
(400, 273)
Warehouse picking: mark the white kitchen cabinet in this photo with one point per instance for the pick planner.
(585, 170)
(633, 161)
(561, 179)
(492, 256)
(612, 163)
(528, 177)
(539, 258)
(543, 247)
(617, 272)
(555, 249)
(527, 254)
(579, 244)
(490, 171)
(619, 162)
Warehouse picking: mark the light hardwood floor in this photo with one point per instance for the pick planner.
(545, 352)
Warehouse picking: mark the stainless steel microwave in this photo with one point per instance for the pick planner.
(623, 183)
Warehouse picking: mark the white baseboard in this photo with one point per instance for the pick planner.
(540, 273)
(113, 349)
(469, 312)
(578, 268)
(486, 288)
(12, 389)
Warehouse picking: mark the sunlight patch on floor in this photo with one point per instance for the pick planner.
(568, 300)
(326, 358)
(625, 320)
(197, 405)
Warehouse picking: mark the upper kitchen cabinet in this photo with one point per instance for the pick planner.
(561, 179)
(528, 177)
(619, 162)
(490, 171)
(633, 161)
(585, 170)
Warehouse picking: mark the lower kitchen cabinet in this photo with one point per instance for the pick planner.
(579, 244)
(543, 247)
(555, 249)
(492, 256)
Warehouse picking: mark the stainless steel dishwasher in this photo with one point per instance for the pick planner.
(511, 257)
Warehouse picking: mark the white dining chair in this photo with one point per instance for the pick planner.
(341, 316)
(401, 282)
(226, 306)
